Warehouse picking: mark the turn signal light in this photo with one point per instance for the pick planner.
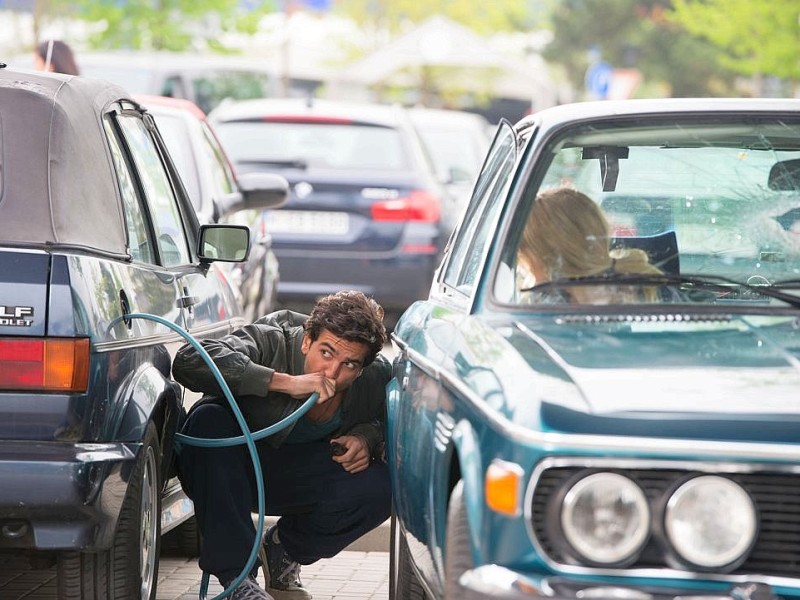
(418, 206)
(503, 487)
(44, 365)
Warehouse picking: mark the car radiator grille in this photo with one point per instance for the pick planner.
(776, 496)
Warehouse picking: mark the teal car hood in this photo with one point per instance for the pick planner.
(734, 378)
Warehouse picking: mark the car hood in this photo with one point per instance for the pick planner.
(732, 378)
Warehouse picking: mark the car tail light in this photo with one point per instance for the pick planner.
(44, 365)
(418, 206)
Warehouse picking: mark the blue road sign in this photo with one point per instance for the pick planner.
(598, 79)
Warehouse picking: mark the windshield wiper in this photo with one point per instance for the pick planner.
(705, 282)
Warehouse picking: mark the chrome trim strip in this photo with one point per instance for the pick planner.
(170, 337)
(606, 443)
(630, 463)
(443, 431)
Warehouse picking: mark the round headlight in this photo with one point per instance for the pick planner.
(710, 521)
(605, 518)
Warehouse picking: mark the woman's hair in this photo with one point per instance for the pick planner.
(570, 236)
(352, 316)
(61, 56)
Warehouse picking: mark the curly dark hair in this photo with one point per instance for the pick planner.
(352, 316)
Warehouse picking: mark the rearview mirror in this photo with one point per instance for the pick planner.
(784, 176)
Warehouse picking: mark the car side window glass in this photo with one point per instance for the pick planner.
(139, 242)
(479, 218)
(171, 238)
(219, 171)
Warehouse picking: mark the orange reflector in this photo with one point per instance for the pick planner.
(46, 365)
(503, 487)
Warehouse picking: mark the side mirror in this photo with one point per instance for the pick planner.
(263, 190)
(257, 191)
(226, 243)
(784, 176)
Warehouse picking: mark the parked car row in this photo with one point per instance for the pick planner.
(375, 190)
(599, 397)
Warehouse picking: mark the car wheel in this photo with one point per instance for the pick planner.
(403, 581)
(187, 538)
(458, 550)
(129, 569)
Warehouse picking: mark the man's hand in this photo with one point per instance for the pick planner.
(302, 386)
(356, 455)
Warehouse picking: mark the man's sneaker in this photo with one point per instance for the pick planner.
(282, 574)
(247, 590)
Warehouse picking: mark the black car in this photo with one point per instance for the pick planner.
(364, 211)
(94, 226)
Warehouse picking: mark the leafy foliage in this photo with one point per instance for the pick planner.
(167, 24)
(635, 34)
(757, 37)
(483, 17)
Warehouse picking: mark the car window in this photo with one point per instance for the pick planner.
(714, 204)
(345, 146)
(172, 244)
(456, 151)
(470, 241)
(139, 242)
(213, 87)
(219, 172)
(177, 140)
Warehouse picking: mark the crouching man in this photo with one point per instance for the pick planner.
(320, 475)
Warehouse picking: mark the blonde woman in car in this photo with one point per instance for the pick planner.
(567, 236)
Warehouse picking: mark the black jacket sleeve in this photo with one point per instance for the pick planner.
(246, 358)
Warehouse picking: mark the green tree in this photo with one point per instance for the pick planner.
(635, 34)
(166, 24)
(482, 17)
(757, 37)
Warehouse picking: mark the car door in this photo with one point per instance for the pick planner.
(427, 411)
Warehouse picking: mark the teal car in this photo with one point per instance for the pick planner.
(613, 433)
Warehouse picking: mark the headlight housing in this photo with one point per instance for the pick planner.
(711, 521)
(605, 518)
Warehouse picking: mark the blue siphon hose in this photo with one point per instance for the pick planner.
(248, 438)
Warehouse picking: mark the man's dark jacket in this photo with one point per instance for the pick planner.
(247, 359)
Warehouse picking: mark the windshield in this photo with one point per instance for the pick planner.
(675, 211)
(338, 146)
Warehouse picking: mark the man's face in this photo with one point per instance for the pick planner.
(334, 357)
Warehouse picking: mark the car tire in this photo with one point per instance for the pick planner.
(128, 570)
(188, 540)
(458, 549)
(403, 581)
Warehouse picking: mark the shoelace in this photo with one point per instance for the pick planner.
(290, 574)
(249, 590)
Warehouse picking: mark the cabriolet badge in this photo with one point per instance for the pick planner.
(16, 316)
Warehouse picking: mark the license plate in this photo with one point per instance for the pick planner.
(308, 221)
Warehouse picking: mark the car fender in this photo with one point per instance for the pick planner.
(470, 461)
(145, 397)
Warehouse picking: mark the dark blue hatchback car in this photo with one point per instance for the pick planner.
(364, 209)
(96, 225)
